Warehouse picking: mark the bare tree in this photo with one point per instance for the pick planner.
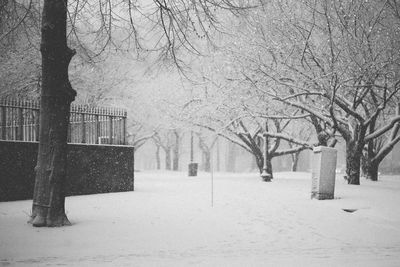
(378, 148)
(164, 140)
(171, 20)
(56, 96)
(334, 60)
(206, 145)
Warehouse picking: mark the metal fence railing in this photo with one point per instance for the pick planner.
(19, 120)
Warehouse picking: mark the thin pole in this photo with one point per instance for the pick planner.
(20, 127)
(110, 129)
(191, 147)
(83, 128)
(212, 177)
(97, 129)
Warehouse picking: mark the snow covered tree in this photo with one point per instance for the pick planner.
(378, 148)
(164, 139)
(172, 27)
(336, 60)
(206, 144)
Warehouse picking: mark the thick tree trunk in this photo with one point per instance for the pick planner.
(364, 164)
(56, 97)
(372, 171)
(168, 159)
(353, 162)
(260, 164)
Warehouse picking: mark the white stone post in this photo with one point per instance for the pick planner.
(323, 172)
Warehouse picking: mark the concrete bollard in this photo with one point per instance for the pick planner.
(323, 172)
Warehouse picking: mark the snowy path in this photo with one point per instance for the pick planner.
(169, 221)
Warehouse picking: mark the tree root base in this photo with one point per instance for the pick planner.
(40, 221)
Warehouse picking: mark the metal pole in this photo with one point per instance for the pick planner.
(124, 130)
(20, 127)
(37, 121)
(97, 129)
(83, 128)
(110, 129)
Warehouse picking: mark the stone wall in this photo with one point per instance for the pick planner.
(91, 169)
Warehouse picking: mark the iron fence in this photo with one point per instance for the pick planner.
(19, 120)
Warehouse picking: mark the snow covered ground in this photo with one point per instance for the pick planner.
(169, 221)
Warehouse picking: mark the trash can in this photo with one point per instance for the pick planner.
(323, 172)
(193, 169)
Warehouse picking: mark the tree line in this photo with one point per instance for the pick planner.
(305, 73)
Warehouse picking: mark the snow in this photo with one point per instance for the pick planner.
(169, 221)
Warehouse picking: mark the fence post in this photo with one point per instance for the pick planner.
(37, 121)
(97, 129)
(110, 128)
(83, 128)
(3, 123)
(20, 135)
(124, 130)
(69, 135)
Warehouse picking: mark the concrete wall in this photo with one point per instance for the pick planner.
(91, 169)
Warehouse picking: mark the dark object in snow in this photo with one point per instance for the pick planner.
(266, 177)
(193, 169)
(350, 210)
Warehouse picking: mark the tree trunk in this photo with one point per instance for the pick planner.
(295, 161)
(260, 164)
(56, 96)
(372, 171)
(168, 159)
(207, 161)
(269, 167)
(353, 162)
(259, 160)
(254, 164)
(175, 160)
(158, 159)
(364, 164)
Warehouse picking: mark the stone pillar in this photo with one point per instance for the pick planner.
(323, 172)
